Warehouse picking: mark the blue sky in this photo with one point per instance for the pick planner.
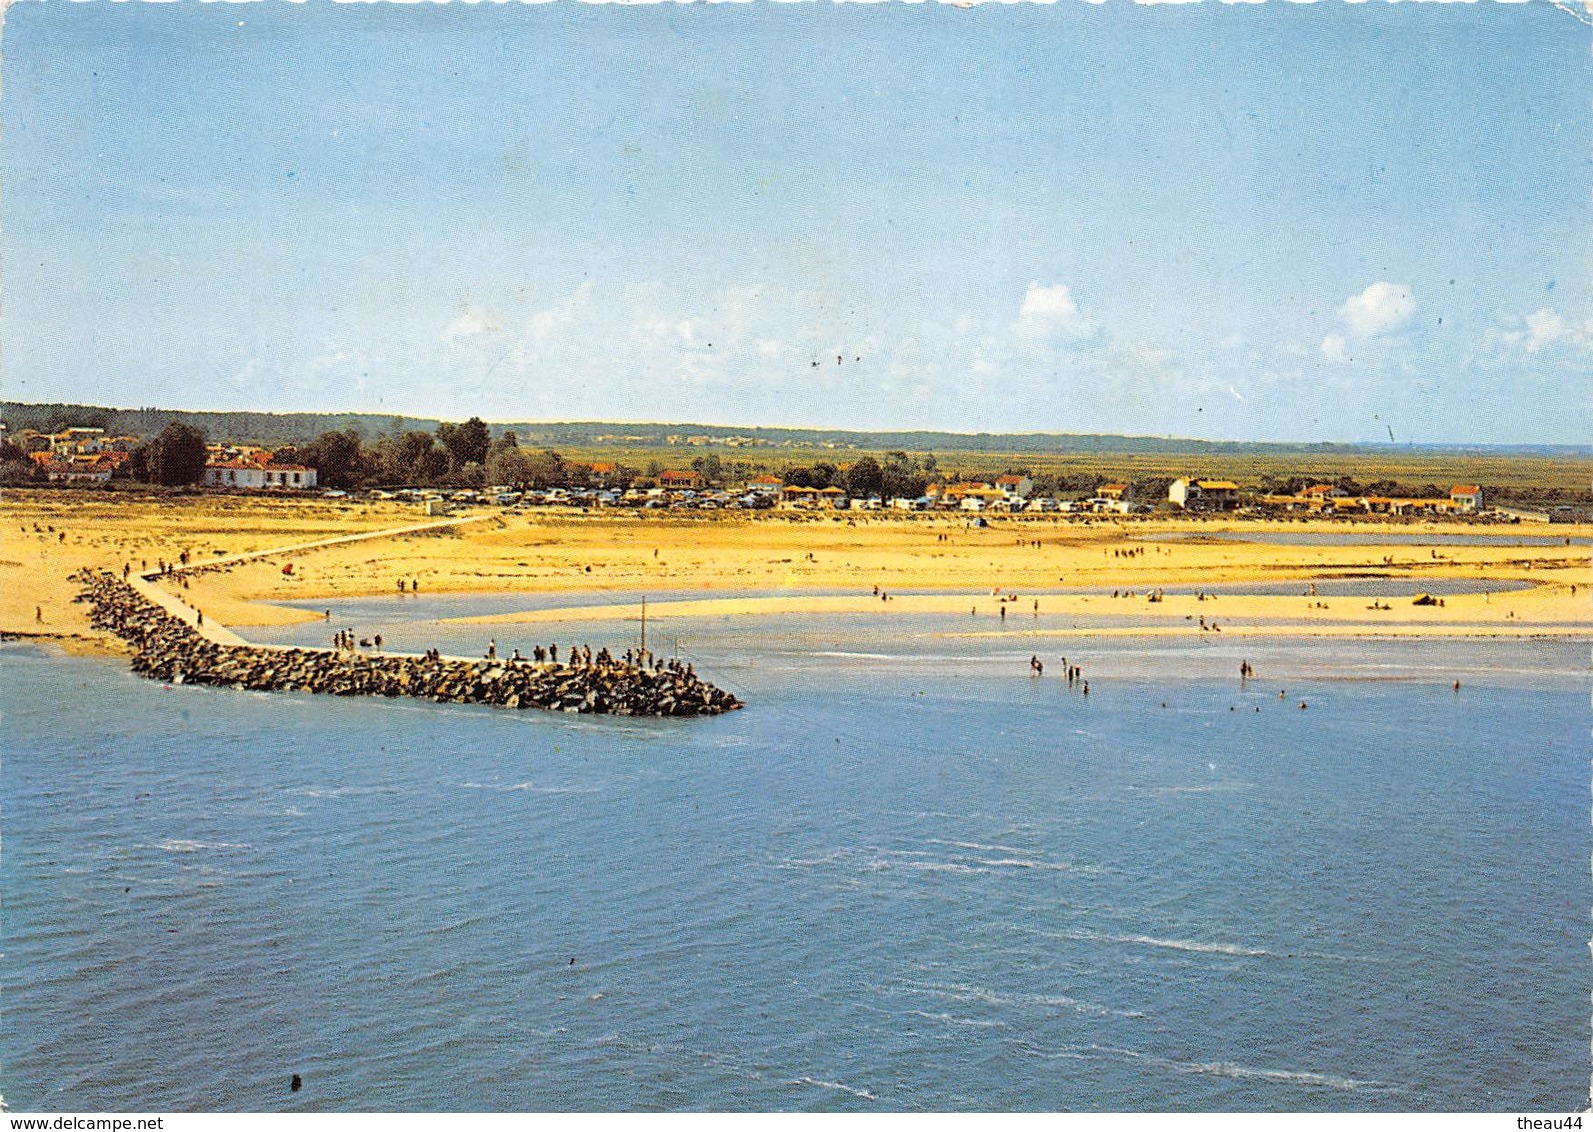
(1292, 222)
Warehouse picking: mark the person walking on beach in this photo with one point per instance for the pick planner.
(492, 650)
(38, 615)
(378, 641)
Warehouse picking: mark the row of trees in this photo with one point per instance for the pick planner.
(898, 476)
(463, 455)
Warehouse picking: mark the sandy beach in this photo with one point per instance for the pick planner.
(794, 563)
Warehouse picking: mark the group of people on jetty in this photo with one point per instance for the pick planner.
(582, 656)
(169, 649)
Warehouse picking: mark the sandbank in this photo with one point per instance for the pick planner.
(802, 560)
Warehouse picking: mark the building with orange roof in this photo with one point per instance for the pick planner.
(1466, 497)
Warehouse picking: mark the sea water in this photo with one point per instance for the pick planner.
(910, 875)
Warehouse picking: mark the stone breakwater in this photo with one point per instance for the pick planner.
(168, 649)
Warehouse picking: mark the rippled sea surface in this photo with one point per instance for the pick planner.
(908, 876)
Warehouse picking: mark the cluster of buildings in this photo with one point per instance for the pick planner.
(76, 455)
(1322, 498)
(1015, 493)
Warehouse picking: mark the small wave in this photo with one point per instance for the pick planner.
(944, 867)
(342, 791)
(1202, 947)
(526, 787)
(858, 655)
(953, 1020)
(1052, 866)
(1292, 1076)
(864, 1094)
(182, 846)
(1248, 1072)
(810, 862)
(869, 857)
(1171, 791)
(958, 992)
(1172, 944)
(980, 846)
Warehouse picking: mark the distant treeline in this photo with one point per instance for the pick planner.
(269, 430)
(276, 429)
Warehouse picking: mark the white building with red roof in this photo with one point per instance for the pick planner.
(250, 474)
(1466, 497)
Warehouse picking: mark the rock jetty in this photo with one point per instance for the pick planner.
(168, 649)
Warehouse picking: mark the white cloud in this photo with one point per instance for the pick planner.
(471, 322)
(1545, 335)
(1333, 348)
(1544, 328)
(1380, 310)
(546, 325)
(1050, 312)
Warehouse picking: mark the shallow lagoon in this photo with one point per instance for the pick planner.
(908, 876)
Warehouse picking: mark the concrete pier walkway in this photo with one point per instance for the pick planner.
(146, 581)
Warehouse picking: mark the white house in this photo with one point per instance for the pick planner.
(1466, 497)
(1203, 495)
(1020, 486)
(241, 473)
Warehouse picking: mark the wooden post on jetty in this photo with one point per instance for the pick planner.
(644, 628)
